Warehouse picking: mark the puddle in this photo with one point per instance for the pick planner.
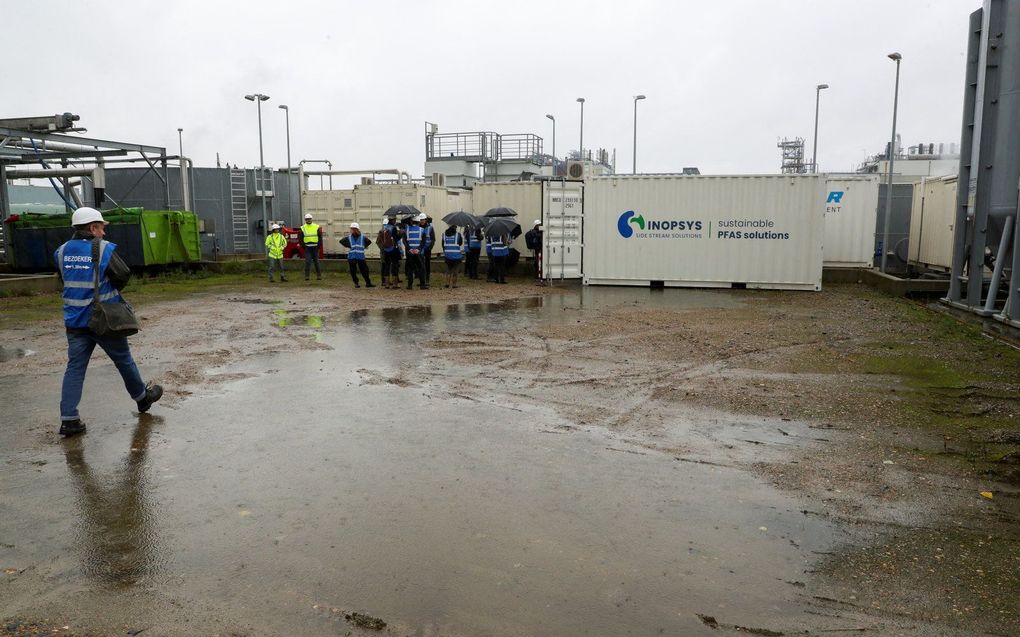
(436, 513)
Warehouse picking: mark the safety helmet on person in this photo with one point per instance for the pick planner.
(84, 216)
(538, 222)
(308, 217)
(275, 226)
(355, 226)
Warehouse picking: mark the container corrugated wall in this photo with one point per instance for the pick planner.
(709, 231)
(850, 208)
(932, 218)
(524, 197)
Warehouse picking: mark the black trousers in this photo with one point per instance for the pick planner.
(416, 267)
(499, 269)
(312, 256)
(427, 260)
(390, 264)
(471, 264)
(358, 264)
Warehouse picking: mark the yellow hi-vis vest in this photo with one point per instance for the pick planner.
(311, 233)
(276, 242)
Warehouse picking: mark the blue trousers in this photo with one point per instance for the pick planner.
(79, 351)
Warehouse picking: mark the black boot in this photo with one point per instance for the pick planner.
(152, 394)
(70, 428)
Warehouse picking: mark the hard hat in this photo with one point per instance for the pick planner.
(538, 222)
(84, 216)
(355, 226)
(275, 226)
(385, 220)
(308, 216)
(421, 217)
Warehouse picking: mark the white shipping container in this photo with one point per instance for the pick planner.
(762, 231)
(523, 197)
(932, 219)
(851, 211)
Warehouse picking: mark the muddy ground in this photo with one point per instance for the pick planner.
(887, 433)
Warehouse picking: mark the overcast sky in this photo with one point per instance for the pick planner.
(724, 79)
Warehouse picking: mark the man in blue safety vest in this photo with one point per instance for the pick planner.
(414, 243)
(311, 239)
(356, 244)
(430, 241)
(500, 251)
(473, 241)
(77, 269)
(453, 253)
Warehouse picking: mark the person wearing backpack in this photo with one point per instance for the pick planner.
(390, 253)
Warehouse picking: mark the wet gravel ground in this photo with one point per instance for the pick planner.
(887, 417)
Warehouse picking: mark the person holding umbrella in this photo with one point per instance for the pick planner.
(500, 251)
(473, 238)
(414, 244)
(430, 241)
(356, 244)
(389, 251)
(533, 239)
(453, 252)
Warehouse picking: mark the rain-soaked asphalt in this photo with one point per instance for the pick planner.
(299, 488)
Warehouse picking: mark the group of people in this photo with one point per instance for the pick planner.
(412, 241)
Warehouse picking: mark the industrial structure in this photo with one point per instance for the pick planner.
(792, 151)
(985, 277)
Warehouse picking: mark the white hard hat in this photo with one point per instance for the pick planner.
(355, 226)
(83, 216)
(385, 220)
(275, 226)
(308, 216)
(421, 217)
(538, 222)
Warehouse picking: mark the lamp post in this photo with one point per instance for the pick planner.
(554, 140)
(184, 174)
(896, 57)
(636, 98)
(814, 151)
(180, 141)
(258, 98)
(580, 101)
(290, 191)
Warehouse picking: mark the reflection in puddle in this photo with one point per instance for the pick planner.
(11, 353)
(283, 318)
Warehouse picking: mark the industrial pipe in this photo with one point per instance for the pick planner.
(1000, 263)
(402, 175)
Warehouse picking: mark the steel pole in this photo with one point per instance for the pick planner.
(892, 158)
(262, 167)
(554, 142)
(582, 131)
(814, 148)
(633, 170)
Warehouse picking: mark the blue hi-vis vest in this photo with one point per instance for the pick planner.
(499, 249)
(488, 246)
(357, 249)
(451, 249)
(427, 234)
(413, 235)
(74, 259)
(473, 242)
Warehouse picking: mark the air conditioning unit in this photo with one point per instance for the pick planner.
(439, 179)
(576, 170)
(367, 181)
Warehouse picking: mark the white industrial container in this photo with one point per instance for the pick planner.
(704, 231)
(523, 197)
(851, 211)
(932, 218)
(562, 223)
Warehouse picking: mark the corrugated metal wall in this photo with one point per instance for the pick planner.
(524, 197)
(711, 231)
(851, 207)
(140, 187)
(932, 218)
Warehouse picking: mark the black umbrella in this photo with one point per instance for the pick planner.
(500, 212)
(401, 210)
(499, 226)
(462, 219)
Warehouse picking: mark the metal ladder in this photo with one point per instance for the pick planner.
(239, 210)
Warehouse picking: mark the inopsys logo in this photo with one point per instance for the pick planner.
(627, 218)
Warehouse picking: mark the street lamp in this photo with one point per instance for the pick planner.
(814, 152)
(580, 101)
(184, 175)
(290, 191)
(895, 57)
(258, 98)
(180, 140)
(554, 140)
(636, 98)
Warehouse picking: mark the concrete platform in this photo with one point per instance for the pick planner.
(904, 287)
(23, 284)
